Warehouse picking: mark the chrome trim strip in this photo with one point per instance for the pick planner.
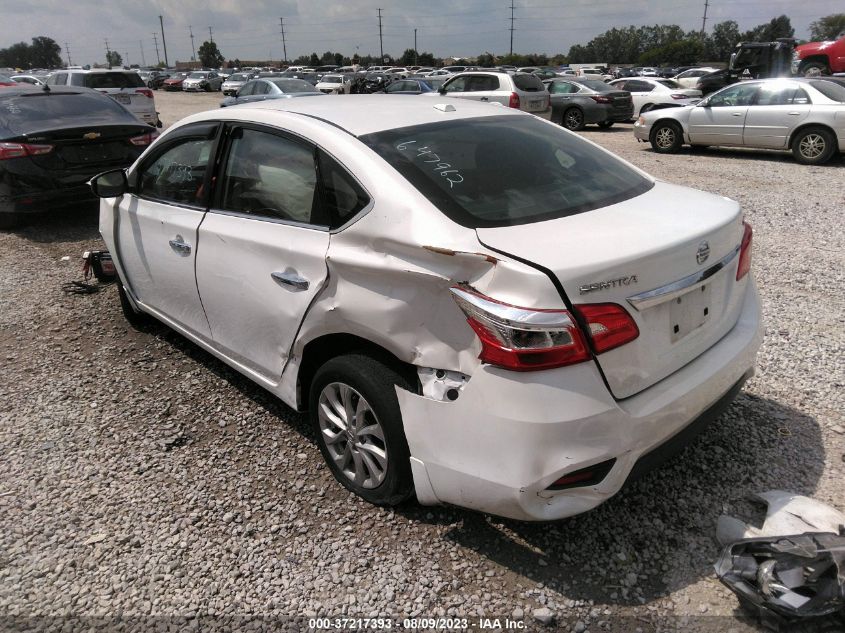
(651, 298)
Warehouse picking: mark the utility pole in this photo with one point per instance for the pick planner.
(284, 45)
(380, 40)
(67, 50)
(193, 49)
(704, 19)
(210, 35)
(415, 48)
(126, 59)
(511, 27)
(163, 41)
(143, 59)
(155, 42)
(108, 53)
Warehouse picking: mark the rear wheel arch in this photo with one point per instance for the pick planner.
(321, 350)
(804, 127)
(816, 61)
(824, 130)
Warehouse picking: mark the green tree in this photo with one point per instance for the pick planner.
(45, 53)
(679, 53)
(723, 40)
(408, 57)
(313, 60)
(827, 28)
(769, 32)
(426, 59)
(209, 55)
(113, 58)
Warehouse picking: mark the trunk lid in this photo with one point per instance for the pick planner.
(84, 148)
(647, 243)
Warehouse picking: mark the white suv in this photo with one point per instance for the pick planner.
(521, 90)
(124, 86)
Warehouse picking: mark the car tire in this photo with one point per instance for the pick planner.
(806, 67)
(573, 119)
(606, 125)
(138, 320)
(666, 137)
(381, 473)
(813, 146)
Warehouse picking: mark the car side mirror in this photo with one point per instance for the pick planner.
(442, 91)
(109, 184)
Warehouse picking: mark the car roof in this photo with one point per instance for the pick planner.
(355, 114)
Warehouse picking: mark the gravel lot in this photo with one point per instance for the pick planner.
(142, 477)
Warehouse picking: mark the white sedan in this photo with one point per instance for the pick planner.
(806, 116)
(475, 306)
(690, 77)
(653, 93)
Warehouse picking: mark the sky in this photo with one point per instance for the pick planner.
(250, 29)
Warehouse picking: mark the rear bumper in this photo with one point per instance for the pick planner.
(509, 436)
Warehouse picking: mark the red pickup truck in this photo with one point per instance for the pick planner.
(828, 57)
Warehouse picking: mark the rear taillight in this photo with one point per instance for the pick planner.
(513, 102)
(144, 91)
(679, 96)
(144, 139)
(19, 150)
(608, 325)
(601, 99)
(744, 252)
(522, 339)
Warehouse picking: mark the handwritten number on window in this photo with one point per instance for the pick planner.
(452, 176)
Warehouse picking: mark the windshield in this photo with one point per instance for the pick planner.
(332, 79)
(669, 83)
(239, 77)
(197, 76)
(293, 85)
(506, 170)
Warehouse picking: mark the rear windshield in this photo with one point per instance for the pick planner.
(506, 170)
(22, 112)
(107, 80)
(830, 89)
(197, 75)
(595, 84)
(528, 83)
(293, 85)
(669, 83)
(239, 77)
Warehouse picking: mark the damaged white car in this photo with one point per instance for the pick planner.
(476, 306)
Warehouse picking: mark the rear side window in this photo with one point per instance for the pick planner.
(506, 170)
(669, 83)
(597, 84)
(58, 79)
(342, 196)
(481, 83)
(830, 89)
(109, 80)
(528, 83)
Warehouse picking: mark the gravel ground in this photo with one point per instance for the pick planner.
(141, 477)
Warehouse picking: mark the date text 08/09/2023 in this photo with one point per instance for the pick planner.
(415, 624)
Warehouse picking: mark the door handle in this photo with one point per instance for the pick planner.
(736, 113)
(485, 99)
(793, 113)
(291, 279)
(180, 246)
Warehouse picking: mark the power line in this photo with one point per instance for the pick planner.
(163, 41)
(155, 41)
(380, 38)
(284, 44)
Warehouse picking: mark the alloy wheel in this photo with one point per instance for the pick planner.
(664, 138)
(573, 119)
(353, 435)
(812, 145)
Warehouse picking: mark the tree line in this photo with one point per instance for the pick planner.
(644, 45)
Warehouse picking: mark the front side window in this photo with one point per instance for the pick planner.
(504, 170)
(458, 84)
(738, 95)
(562, 88)
(247, 89)
(270, 177)
(178, 175)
